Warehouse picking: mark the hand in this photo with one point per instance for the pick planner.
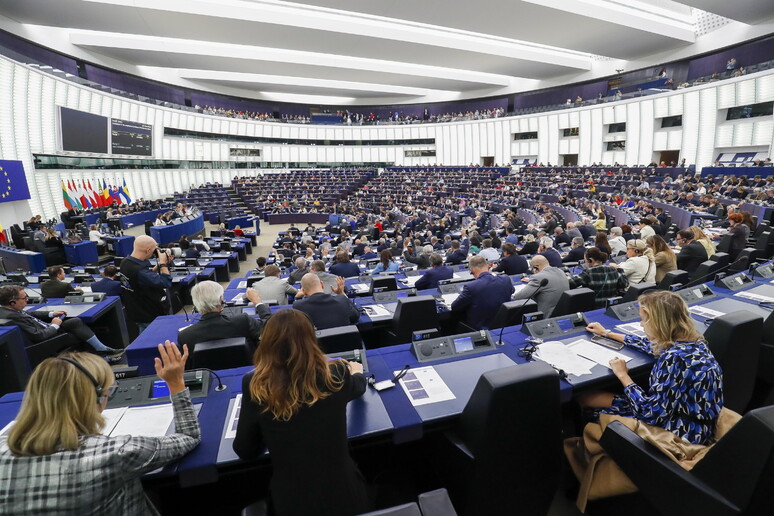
(596, 329)
(619, 368)
(59, 313)
(253, 296)
(339, 285)
(355, 367)
(525, 279)
(300, 293)
(57, 321)
(163, 258)
(171, 365)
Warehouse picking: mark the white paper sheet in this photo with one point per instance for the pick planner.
(112, 417)
(561, 357)
(6, 428)
(233, 418)
(448, 299)
(634, 328)
(377, 311)
(360, 287)
(242, 284)
(424, 386)
(518, 288)
(239, 298)
(145, 421)
(593, 351)
(755, 297)
(411, 281)
(707, 313)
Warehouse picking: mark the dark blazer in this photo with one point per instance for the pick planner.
(34, 331)
(108, 286)
(314, 436)
(296, 275)
(480, 299)
(553, 257)
(513, 264)
(577, 254)
(345, 269)
(55, 288)
(422, 260)
(216, 325)
(456, 257)
(691, 256)
(562, 238)
(529, 248)
(432, 276)
(328, 311)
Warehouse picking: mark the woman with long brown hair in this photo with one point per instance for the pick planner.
(664, 257)
(295, 404)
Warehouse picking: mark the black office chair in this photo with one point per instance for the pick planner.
(743, 260)
(704, 273)
(406, 509)
(496, 458)
(677, 276)
(436, 503)
(721, 258)
(412, 313)
(724, 246)
(510, 313)
(222, 354)
(340, 338)
(735, 341)
(15, 367)
(733, 478)
(635, 290)
(576, 300)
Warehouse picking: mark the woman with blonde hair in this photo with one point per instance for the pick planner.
(55, 460)
(685, 390)
(664, 258)
(700, 236)
(295, 404)
(639, 266)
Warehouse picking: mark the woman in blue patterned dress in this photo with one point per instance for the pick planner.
(685, 391)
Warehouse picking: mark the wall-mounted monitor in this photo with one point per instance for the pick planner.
(83, 132)
(131, 138)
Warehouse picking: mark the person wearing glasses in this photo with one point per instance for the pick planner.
(38, 326)
(692, 253)
(54, 459)
(549, 294)
(604, 280)
(295, 405)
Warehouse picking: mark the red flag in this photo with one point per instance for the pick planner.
(93, 197)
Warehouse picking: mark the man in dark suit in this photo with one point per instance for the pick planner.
(208, 300)
(436, 273)
(691, 254)
(456, 255)
(108, 284)
(480, 300)
(55, 286)
(547, 249)
(577, 253)
(422, 260)
(325, 310)
(561, 238)
(38, 326)
(511, 263)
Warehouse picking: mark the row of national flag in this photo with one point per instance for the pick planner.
(82, 195)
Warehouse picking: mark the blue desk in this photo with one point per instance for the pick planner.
(139, 219)
(83, 253)
(24, 260)
(106, 318)
(242, 222)
(121, 246)
(173, 232)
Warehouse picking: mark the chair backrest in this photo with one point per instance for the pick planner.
(748, 448)
(383, 283)
(340, 338)
(575, 300)
(743, 260)
(673, 278)
(735, 341)
(516, 458)
(512, 313)
(635, 290)
(724, 245)
(222, 353)
(762, 242)
(763, 226)
(436, 503)
(722, 258)
(15, 367)
(414, 313)
(704, 273)
(407, 509)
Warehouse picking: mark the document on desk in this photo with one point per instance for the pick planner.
(153, 421)
(595, 352)
(377, 311)
(448, 299)
(6, 428)
(360, 288)
(563, 357)
(518, 288)
(424, 386)
(233, 418)
(755, 297)
(112, 417)
(242, 284)
(411, 280)
(707, 313)
(239, 298)
(634, 328)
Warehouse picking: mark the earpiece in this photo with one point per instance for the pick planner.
(12, 303)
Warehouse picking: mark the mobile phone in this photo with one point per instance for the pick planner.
(608, 343)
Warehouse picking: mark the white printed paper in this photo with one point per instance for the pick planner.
(6, 428)
(233, 418)
(411, 281)
(755, 297)
(242, 284)
(593, 351)
(239, 298)
(562, 357)
(145, 421)
(424, 386)
(112, 417)
(634, 328)
(360, 288)
(707, 313)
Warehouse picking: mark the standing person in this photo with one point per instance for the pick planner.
(147, 296)
(54, 459)
(296, 407)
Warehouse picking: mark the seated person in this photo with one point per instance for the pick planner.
(260, 263)
(301, 268)
(489, 252)
(108, 284)
(481, 298)
(549, 294)
(530, 245)
(604, 280)
(329, 280)
(640, 266)
(437, 272)
(96, 236)
(511, 263)
(325, 310)
(343, 267)
(547, 250)
(368, 253)
(86, 472)
(386, 263)
(577, 253)
(295, 404)
(238, 231)
(55, 286)
(692, 253)
(422, 260)
(685, 391)
(208, 300)
(272, 287)
(39, 326)
(456, 255)
(188, 250)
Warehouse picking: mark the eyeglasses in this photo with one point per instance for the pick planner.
(108, 393)
(25, 298)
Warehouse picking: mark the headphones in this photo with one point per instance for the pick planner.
(97, 387)
(11, 303)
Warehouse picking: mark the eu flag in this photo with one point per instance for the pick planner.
(13, 183)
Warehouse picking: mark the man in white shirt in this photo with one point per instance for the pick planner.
(490, 253)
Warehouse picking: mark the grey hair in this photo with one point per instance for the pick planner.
(427, 249)
(206, 296)
(546, 242)
(578, 241)
(617, 231)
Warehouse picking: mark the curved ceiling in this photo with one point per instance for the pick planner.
(385, 51)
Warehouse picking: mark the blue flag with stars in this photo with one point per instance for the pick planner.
(13, 183)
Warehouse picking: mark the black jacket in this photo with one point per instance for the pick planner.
(513, 264)
(216, 325)
(55, 288)
(144, 301)
(691, 256)
(328, 311)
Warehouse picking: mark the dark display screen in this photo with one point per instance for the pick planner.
(83, 132)
(131, 138)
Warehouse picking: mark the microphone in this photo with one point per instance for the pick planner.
(220, 386)
(700, 279)
(182, 306)
(542, 284)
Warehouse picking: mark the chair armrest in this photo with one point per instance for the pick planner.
(661, 481)
(455, 441)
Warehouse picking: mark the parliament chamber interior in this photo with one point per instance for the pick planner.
(339, 258)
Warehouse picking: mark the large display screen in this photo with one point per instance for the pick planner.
(131, 138)
(83, 132)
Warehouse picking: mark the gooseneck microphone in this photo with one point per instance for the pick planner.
(542, 284)
(696, 281)
(220, 386)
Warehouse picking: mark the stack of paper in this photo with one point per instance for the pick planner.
(377, 311)
(634, 328)
(448, 299)
(562, 357)
(360, 288)
(599, 354)
(755, 297)
(424, 386)
(707, 313)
